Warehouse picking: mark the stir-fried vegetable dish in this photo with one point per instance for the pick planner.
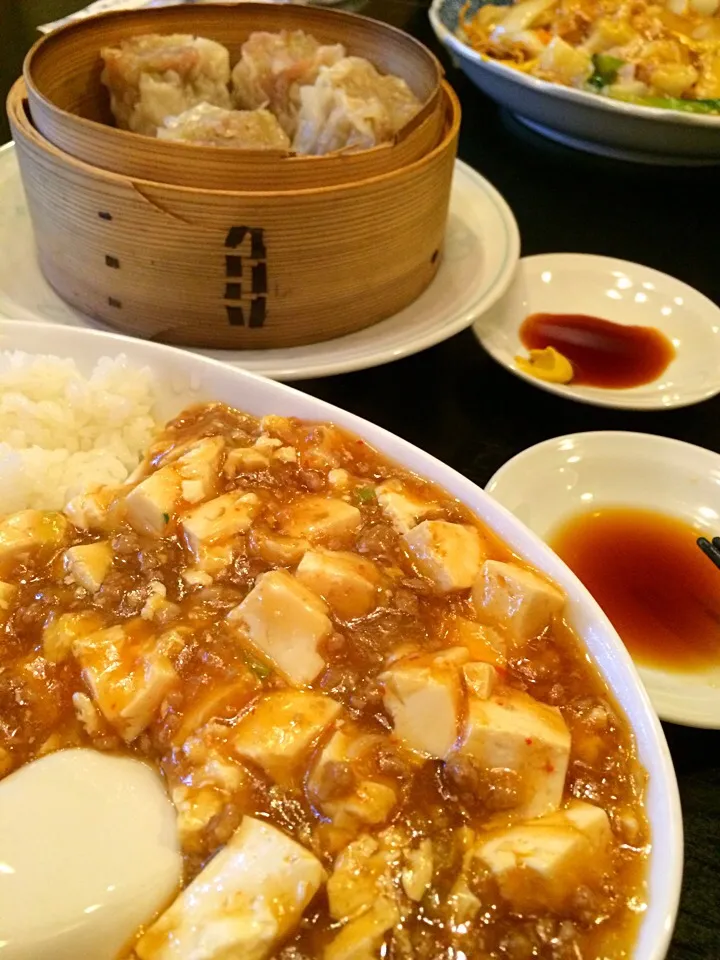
(652, 54)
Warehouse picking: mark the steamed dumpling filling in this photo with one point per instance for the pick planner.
(287, 90)
(274, 67)
(215, 126)
(151, 77)
(352, 106)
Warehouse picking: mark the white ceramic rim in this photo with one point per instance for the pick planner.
(616, 398)
(639, 444)
(297, 363)
(666, 861)
(570, 94)
(602, 149)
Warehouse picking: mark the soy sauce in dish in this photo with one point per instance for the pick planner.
(602, 353)
(658, 589)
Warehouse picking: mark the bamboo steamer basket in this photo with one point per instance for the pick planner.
(236, 269)
(71, 108)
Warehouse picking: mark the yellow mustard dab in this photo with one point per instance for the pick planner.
(547, 365)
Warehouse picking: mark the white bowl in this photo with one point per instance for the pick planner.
(586, 118)
(622, 292)
(190, 378)
(553, 481)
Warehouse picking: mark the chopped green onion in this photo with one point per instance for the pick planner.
(365, 494)
(261, 670)
(166, 517)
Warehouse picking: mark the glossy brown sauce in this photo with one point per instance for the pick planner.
(218, 678)
(660, 591)
(602, 353)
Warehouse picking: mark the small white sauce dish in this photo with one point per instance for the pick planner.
(546, 485)
(622, 292)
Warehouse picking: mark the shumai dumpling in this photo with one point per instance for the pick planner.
(152, 77)
(215, 126)
(274, 66)
(352, 106)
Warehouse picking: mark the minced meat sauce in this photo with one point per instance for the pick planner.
(328, 658)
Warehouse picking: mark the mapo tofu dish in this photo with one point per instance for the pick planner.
(379, 734)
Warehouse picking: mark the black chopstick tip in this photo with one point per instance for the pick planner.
(711, 550)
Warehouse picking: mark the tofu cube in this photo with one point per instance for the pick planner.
(402, 508)
(361, 938)
(196, 808)
(212, 560)
(281, 729)
(219, 520)
(285, 622)
(153, 681)
(218, 701)
(449, 554)
(208, 754)
(484, 643)
(480, 679)
(248, 898)
(320, 519)
(88, 511)
(29, 531)
(517, 599)
(200, 466)
(365, 802)
(347, 582)
(245, 460)
(424, 697)
(192, 491)
(127, 676)
(361, 875)
(276, 549)
(514, 731)
(370, 803)
(61, 632)
(151, 505)
(540, 864)
(89, 564)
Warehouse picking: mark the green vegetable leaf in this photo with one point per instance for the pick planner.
(672, 103)
(365, 494)
(606, 70)
(166, 517)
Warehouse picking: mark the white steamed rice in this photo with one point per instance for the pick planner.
(62, 432)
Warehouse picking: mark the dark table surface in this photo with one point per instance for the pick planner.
(455, 402)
